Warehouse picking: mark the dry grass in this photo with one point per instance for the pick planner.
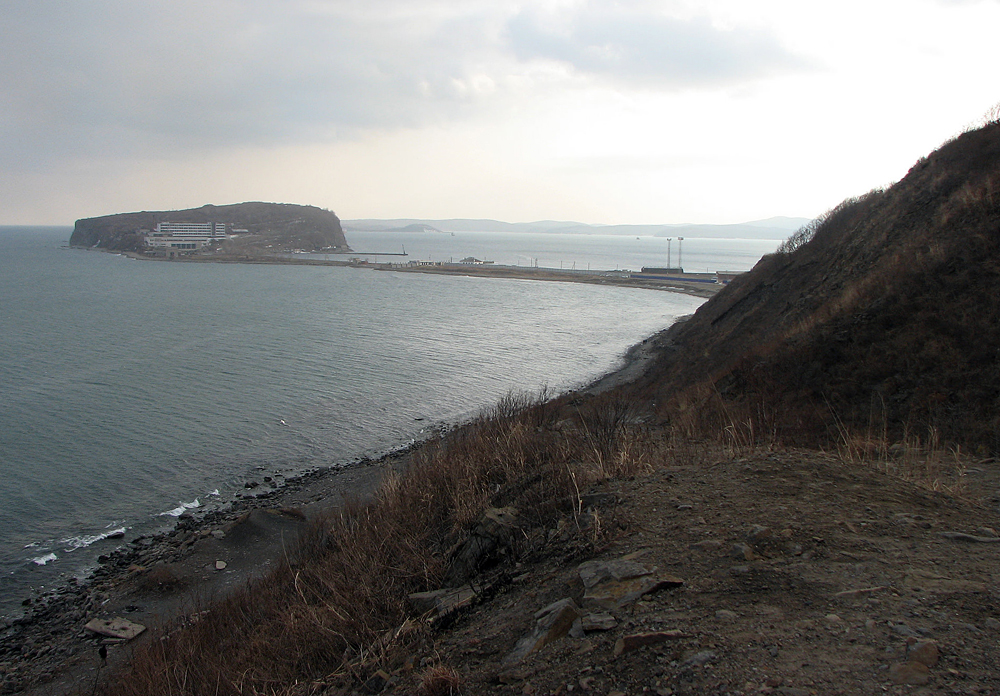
(440, 681)
(921, 461)
(335, 611)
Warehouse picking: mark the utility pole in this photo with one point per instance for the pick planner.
(680, 264)
(669, 239)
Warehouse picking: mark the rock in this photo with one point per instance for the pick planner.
(218, 534)
(961, 536)
(551, 623)
(637, 640)
(832, 619)
(726, 615)
(220, 565)
(613, 584)
(926, 653)
(758, 531)
(598, 622)
(902, 629)
(493, 534)
(793, 549)
(442, 602)
(912, 673)
(698, 660)
(743, 552)
(116, 627)
(707, 545)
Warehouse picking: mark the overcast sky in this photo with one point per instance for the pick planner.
(603, 112)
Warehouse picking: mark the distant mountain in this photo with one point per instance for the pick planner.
(772, 228)
(452, 225)
(781, 223)
(299, 226)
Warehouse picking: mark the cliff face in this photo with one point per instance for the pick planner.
(279, 224)
(887, 322)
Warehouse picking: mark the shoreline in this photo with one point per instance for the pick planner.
(607, 278)
(152, 580)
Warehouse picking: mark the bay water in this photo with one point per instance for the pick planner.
(131, 391)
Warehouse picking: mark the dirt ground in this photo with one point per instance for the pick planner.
(802, 574)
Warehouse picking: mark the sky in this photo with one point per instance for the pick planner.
(644, 112)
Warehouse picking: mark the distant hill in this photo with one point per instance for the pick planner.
(881, 320)
(773, 228)
(278, 224)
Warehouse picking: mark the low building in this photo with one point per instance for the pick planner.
(185, 235)
(473, 261)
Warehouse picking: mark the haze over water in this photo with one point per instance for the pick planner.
(130, 390)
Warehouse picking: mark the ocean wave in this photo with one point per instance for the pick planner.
(181, 508)
(42, 560)
(79, 542)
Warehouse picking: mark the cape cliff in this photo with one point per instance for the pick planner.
(278, 224)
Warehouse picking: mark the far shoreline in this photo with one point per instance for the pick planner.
(605, 278)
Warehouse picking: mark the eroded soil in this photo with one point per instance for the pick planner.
(803, 575)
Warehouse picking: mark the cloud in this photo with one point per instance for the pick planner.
(163, 79)
(640, 46)
(121, 78)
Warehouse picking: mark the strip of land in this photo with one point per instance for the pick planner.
(696, 288)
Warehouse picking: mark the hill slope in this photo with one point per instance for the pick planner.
(888, 319)
(298, 226)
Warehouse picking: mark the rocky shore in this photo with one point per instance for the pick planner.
(151, 579)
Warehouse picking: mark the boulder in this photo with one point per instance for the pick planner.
(116, 627)
(610, 585)
(551, 623)
(442, 602)
(492, 536)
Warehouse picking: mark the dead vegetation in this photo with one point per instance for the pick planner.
(335, 612)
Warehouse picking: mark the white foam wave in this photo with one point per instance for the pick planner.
(42, 560)
(79, 542)
(181, 508)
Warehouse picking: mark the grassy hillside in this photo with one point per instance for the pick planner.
(881, 318)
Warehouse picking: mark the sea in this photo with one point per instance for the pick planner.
(133, 391)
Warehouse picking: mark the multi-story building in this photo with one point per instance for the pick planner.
(185, 235)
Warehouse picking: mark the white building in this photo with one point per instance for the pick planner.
(185, 235)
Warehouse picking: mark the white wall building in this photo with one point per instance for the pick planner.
(185, 235)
